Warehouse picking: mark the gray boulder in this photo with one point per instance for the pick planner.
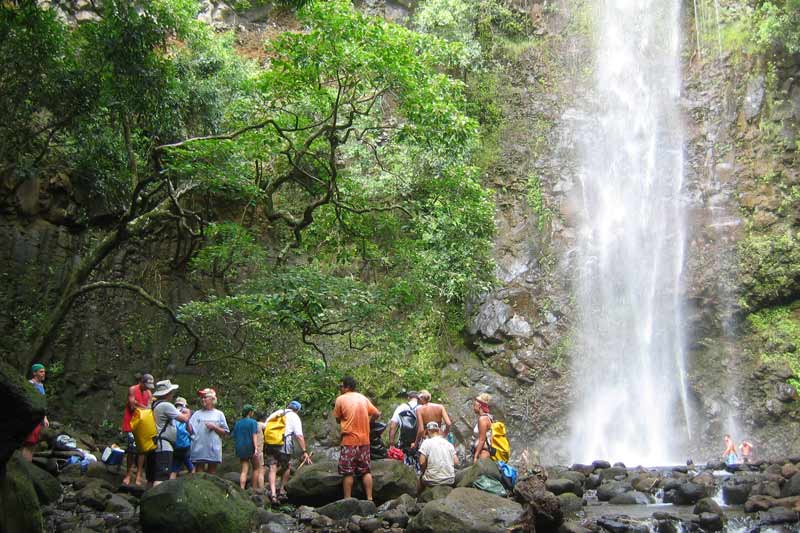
(436, 492)
(347, 507)
(613, 474)
(632, 497)
(733, 494)
(47, 487)
(778, 515)
(397, 516)
(690, 493)
(610, 489)
(196, 503)
(320, 483)
(708, 505)
(28, 407)
(710, 522)
(484, 467)
(467, 510)
(561, 486)
(791, 487)
(570, 503)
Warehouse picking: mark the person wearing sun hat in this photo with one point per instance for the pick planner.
(279, 456)
(159, 461)
(245, 438)
(38, 374)
(209, 426)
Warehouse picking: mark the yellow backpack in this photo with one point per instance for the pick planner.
(500, 447)
(275, 430)
(143, 426)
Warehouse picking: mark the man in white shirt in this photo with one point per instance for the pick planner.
(437, 459)
(280, 455)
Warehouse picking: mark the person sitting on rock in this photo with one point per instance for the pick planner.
(245, 440)
(38, 375)
(747, 450)
(354, 411)
(431, 412)
(729, 455)
(482, 433)
(437, 459)
(139, 397)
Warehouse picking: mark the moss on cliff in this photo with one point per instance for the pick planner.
(777, 336)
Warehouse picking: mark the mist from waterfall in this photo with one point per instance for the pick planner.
(628, 362)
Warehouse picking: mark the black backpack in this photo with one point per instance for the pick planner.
(408, 427)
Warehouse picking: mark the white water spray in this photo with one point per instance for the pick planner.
(629, 373)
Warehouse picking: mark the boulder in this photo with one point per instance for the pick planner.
(542, 507)
(708, 505)
(644, 483)
(570, 503)
(609, 489)
(397, 517)
(118, 505)
(48, 489)
(778, 515)
(690, 493)
(613, 474)
(484, 467)
(196, 503)
(600, 464)
(788, 470)
(404, 501)
(622, 524)
(791, 487)
(19, 398)
(733, 494)
(19, 504)
(437, 492)
(710, 522)
(320, 483)
(632, 497)
(758, 503)
(94, 495)
(467, 510)
(561, 486)
(347, 507)
(766, 488)
(586, 470)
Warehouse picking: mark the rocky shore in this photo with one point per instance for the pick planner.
(597, 497)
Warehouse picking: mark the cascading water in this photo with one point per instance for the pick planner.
(629, 374)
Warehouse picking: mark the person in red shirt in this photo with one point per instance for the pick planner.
(139, 397)
(354, 412)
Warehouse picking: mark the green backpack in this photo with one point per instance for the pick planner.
(490, 485)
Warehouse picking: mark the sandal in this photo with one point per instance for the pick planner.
(282, 496)
(274, 499)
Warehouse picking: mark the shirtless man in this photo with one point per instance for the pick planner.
(729, 455)
(747, 449)
(431, 412)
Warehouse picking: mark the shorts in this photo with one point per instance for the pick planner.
(158, 465)
(354, 460)
(181, 457)
(274, 455)
(33, 437)
(131, 447)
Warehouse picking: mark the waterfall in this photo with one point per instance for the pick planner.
(628, 363)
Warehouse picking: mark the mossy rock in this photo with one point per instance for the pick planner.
(484, 467)
(196, 503)
(19, 397)
(19, 505)
(48, 488)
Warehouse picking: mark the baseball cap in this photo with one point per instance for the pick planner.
(207, 392)
(432, 426)
(294, 405)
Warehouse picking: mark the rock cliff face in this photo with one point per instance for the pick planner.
(742, 270)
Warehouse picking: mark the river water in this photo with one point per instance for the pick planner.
(630, 402)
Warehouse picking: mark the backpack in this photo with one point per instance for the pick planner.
(490, 485)
(183, 440)
(143, 426)
(408, 427)
(499, 447)
(274, 432)
(508, 474)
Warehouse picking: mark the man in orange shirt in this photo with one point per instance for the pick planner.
(354, 412)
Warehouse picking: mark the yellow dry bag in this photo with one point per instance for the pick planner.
(143, 425)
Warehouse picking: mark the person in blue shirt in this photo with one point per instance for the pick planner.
(245, 438)
(38, 375)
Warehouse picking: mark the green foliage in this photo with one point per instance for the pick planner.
(769, 267)
(777, 333)
(777, 26)
(537, 204)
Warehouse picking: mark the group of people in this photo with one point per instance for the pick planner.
(184, 439)
(729, 454)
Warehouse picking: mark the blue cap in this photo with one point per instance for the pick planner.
(294, 405)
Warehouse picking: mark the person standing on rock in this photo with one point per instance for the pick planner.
(181, 455)
(729, 455)
(354, 411)
(245, 440)
(159, 467)
(38, 375)
(396, 422)
(431, 412)
(482, 433)
(208, 426)
(278, 456)
(139, 397)
(747, 451)
(437, 459)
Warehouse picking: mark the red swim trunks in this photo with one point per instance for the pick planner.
(354, 460)
(33, 438)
